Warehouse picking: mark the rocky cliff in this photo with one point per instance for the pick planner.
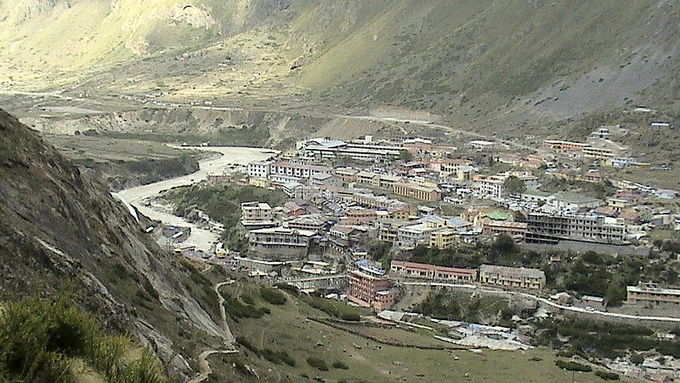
(61, 229)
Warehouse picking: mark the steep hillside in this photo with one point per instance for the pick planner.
(470, 61)
(60, 229)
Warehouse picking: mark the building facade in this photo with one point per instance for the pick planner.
(280, 243)
(545, 228)
(371, 290)
(512, 277)
(651, 293)
(432, 272)
(414, 191)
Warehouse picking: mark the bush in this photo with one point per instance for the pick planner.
(354, 317)
(572, 366)
(317, 363)
(273, 296)
(38, 338)
(340, 365)
(605, 375)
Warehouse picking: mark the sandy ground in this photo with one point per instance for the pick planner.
(201, 238)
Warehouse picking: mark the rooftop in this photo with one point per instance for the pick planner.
(520, 272)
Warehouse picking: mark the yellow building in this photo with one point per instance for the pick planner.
(442, 238)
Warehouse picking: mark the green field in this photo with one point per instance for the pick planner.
(288, 329)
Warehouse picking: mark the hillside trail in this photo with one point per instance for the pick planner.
(203, 364)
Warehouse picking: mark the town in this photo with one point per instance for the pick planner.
(370, 220)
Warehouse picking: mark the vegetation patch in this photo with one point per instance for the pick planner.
(317, 363)
(606, 375)
(39, 339)
(273, 296)
(572, 366)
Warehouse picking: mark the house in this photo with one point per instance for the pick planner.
(432, 272)
(512, 277)
(651, 293)
(372, 290)
(568, 201)
(280, 243)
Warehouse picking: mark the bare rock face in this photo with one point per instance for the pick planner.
(63, 230)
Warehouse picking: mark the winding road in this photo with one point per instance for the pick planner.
(548, 302)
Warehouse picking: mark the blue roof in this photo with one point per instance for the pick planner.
(457, 222)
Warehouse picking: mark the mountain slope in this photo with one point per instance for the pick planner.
(466, 60)
(61, 229)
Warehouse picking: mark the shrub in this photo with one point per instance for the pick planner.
(273, 296)
(317, 363)
(605, 375)
(247, 299)
(572, 366)
(354, 317)
(637, 359)
(340, 365)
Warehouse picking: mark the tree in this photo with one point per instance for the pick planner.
(405, 156)
(504, 244)
(616, 293)
(514, 185)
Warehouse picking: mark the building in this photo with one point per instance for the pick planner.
(565, 146)
(513, 229)
(443, 238)
(280, 243)
(490, 186)
(432, 272)
(323, 148)
(296, 170)
(545, 228)
(414, 191)
(574, 202)
(313, 223)
(512, 277)
(258, 169)
(256, 211)
(411, 236)
(359, 216)
(371, 289)
(651, 293)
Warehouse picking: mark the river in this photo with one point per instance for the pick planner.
(201, 238)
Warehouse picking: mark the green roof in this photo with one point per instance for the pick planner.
(499, 216)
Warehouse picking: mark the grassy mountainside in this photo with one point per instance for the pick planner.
(467, 60)
(62, 229)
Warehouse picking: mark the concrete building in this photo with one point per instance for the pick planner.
(372, 290)
(292, 169)
(432, 272)
(280, 243)
(545, 228)
(565, 146)
(651, 293)
(322, 148)
(444, 238)
(359, 216)
(256, 211)
(512, 277)
(258, 169)
(513, 229)
(411, 236)
(574, 202)
(489, 186)
(414, 191)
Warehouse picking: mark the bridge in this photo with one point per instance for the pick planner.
(332, 281)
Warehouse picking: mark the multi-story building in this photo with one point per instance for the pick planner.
(651, 293)
(444, 238)
(598, 153)
(411, 236)
(565, 146)
(313, 223)
(503, 227)
(365, 151)
(418, 192)
(256, 211)
(545, 228)
(512, 277)
(368, 287)
(292, 169)
(432, 272)
(490, 186)
(258, 169)
(573, 202)
(388, 231)
(347, 175)
(280, 243)
(359, 216)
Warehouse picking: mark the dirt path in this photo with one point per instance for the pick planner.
(229, 340)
